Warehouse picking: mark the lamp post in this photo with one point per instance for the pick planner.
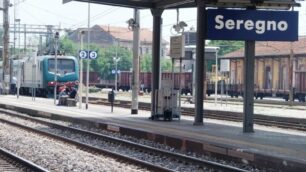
(56, 37)
(216, 76)
(116, 60)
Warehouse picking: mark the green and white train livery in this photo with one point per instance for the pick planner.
(38, 72)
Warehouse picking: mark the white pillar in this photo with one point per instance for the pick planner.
(135, 76)
(81, 73)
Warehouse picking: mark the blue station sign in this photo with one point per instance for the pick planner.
(255, 25)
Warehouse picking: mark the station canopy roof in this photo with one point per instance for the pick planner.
(168, 4)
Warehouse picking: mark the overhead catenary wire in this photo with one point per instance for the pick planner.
(97, 16)
(33, 16)
(47, 11)
(123, 21)
(102, 14)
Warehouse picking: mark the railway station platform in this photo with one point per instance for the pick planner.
(278, 148)
(278, 108)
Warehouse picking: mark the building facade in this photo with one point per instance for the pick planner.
(106, 36)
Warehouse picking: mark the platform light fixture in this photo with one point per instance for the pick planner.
(179, 27)
(132, 24)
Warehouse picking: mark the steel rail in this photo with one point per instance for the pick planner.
(21, 163)
(92, 149)
(184, 158)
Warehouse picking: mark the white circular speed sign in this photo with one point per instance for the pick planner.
(93, 55)
(83, 54)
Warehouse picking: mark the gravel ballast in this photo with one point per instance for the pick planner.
(162, 161)
(55, 155)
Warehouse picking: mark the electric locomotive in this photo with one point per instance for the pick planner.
(38, 73)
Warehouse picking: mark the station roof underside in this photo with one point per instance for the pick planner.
(163, 4)
(170, 4)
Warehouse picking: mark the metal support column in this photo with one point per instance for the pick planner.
(291, 96)
(5, 53)
(157, 21)
(256, 75)
(135, 81)
(19, 45)
(14, 37)
(272, 77)
(56, 69)
(25, 39)
(248, 97)
(40, 45)
(200, 58)
(82, 32)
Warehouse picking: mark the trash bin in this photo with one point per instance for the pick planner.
(111, 96)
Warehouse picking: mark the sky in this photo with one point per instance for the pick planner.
(74, 14)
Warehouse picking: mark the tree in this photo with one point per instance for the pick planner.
(226, 46)
(146, 63)
(166, 65)
(105, 63)
(68, 47)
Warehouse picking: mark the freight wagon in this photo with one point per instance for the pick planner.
(183, 81)
(273, 73)
(94, 78)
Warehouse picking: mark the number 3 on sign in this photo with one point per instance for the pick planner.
(93, 55)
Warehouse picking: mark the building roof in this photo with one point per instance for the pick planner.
(124, 34)
(272, 48)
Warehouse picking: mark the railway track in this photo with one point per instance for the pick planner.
(263, 103)
(281, 122)
(202, 165)
(10, 162)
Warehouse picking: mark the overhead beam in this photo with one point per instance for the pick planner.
(268, 4)
(121, 3)
(173, 3)
(66, 1)
(168, 4)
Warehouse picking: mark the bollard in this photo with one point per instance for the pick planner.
(111, 98)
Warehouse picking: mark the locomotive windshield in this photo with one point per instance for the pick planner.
(64, 66)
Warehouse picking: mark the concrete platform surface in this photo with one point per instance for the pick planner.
(220, 137)
(263, 109)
